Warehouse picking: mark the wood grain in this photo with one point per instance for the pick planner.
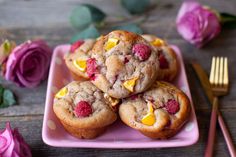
(30, 127)
(30, 19)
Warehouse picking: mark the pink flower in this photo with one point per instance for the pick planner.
(12, 143)
(28, 63)
(197, 24)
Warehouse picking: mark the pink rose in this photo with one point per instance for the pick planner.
(197, 24)
(28, 63)
(12, 144)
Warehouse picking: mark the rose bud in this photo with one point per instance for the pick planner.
(197, 24)
(5, 49)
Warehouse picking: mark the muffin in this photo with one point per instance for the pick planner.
(157, 113)
(76, 58)
(83, 110)
(166, 56)
(122, 64)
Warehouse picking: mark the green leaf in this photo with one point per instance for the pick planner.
(90, 32)
(129, 27)
(7, 97)
(135, 6)
(97, 15)
(81, 17)
(228, 20)
(84, 15)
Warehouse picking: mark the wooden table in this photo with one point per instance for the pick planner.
(27, 19)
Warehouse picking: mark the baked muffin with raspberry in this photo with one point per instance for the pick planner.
(122, 64)
(76, 58)
(166, 56)
(157, 113)
(83, 110)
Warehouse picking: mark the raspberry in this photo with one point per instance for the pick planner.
(163, 62)
(91, 68)
(76, 45)
(126, 60)
(83, 109)
(133, 97)
(141, 51)
(172, 106)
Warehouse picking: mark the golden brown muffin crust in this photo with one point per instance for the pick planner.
(119, 64)
(102, 115)
(167, 124)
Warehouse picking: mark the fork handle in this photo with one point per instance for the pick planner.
(212, 129)
(226, 134)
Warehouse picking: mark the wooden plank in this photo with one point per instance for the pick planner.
(31, 101)
(30, 127)
(43, 13)
(49, 20)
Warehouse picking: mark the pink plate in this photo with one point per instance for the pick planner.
(118, 135)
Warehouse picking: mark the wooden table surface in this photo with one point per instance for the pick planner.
(29, 19)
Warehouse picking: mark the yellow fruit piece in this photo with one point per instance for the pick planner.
(112, 42)
(111, 100)
(80, 64)
(149, 119)
(129, 84)
(158, 42)
(61, 93)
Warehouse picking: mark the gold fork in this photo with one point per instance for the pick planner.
(219, 85)
(219, 78)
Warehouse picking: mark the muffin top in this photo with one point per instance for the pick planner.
(77, 56)
(122, 64)
(166, 56)
(82, 104)
(163, 107)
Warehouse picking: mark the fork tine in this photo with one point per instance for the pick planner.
(212, 73)
(216, 80)
(226, 76)
(221, 71)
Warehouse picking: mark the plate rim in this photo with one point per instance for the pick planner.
(114, 145)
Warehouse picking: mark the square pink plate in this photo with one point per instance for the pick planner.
(118, 135)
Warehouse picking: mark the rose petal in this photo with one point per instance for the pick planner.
(15, 154)
(3, 143)
(27, 65)
(6, 134)
(17, 142)
(32, 67)
(10, 142)
(24, 148)
(187, 6)
(214, 23)
(25, 83)
(186, 27)
(39, 72)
